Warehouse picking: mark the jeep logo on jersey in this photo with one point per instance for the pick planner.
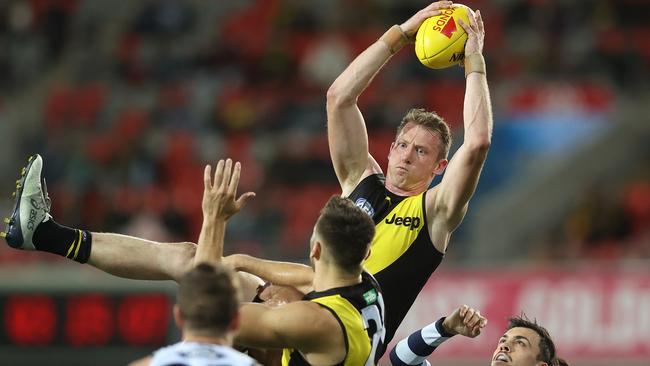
(412, 222)
(365, 206)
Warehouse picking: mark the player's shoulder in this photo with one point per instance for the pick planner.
(370, 181)
(200, 354)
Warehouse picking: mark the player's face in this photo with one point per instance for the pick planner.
(517, 347)
(414, 158)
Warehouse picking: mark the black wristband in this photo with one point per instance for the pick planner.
(441, 329)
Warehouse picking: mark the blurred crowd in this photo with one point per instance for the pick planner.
(145, 93)
(602, 225)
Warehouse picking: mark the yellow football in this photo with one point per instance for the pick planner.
(440, 40)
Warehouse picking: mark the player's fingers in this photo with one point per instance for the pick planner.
(463, 310)
(465, 27)
(244, 198)
(440, 5)
(476, 331)
(483, 322)
(473, 23)
(218, 174)
(234, 180)
(471, 321)
(207, 177)
(226, 174)
(476, 318)
(430, 13)
(479, 20)
(468, 316)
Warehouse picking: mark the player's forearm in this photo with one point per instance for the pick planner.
(462, 174)
(357, 76)
(210, 244)
(279, 273)
(414, 349)
(477, 111)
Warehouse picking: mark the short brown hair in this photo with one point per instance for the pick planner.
(347, 231)
(546, 346)
(208, 298)
(431, 121)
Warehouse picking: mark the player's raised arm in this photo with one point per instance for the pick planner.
(459, 182)
(414, 349)
(297, 275)
(347, 135)
(219, 204)
(303, 325)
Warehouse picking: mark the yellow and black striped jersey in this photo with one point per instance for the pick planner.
(359, 310)
(402, 256)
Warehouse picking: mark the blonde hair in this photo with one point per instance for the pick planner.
(431, 121)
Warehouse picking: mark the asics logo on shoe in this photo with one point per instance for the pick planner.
(36, 204)
(33, 212)
(32, 219)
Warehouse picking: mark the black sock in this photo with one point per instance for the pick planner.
(58, 239)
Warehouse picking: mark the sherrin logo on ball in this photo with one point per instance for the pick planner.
(440, 40)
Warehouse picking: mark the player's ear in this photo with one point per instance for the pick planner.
(368, 253)
(315, 251)
(178, 318)
(440, 167)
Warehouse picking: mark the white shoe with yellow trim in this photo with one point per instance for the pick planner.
(32, 206)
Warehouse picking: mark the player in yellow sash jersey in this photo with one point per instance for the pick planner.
(340, 322)
(413, 221)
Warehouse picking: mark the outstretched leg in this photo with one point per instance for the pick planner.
(31, 227)
(140, 259)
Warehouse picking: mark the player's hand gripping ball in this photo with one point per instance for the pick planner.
(440, 40)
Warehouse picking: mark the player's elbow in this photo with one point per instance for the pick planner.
(337, 97)
(182, 259)
(479, 145)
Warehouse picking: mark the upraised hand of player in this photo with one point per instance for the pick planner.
(219, 195)
(410, 27)
(465, 321)
(475, 33)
